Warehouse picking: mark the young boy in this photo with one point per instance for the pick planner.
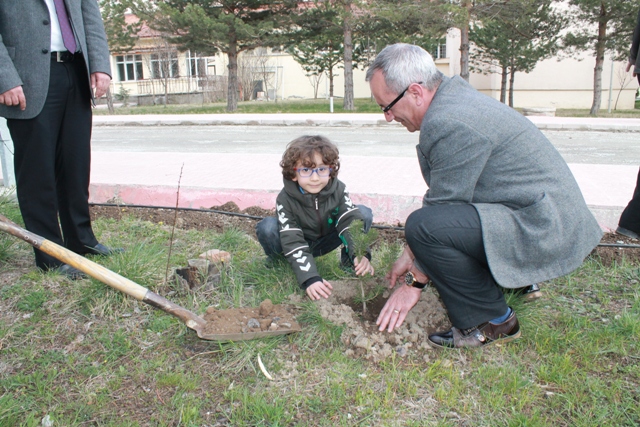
(314, 212)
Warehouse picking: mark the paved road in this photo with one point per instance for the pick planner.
(588, 147)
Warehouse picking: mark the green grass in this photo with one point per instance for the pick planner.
(85, 354)
(362, 105)
(301, 106)
(623, 114)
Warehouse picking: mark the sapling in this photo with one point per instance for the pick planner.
(361, 243)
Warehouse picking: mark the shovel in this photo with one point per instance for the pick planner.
(116, 281)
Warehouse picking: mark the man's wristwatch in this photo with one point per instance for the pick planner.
(410, 280)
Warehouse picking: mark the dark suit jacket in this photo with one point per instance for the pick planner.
(25, 41)
(473, 149)
(635, 46)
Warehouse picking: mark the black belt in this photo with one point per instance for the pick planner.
(65, 56)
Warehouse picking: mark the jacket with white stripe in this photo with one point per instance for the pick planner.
(305, 218)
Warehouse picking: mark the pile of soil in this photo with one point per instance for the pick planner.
(360, 334)
(265, 318)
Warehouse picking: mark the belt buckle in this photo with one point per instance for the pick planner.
(64, 56)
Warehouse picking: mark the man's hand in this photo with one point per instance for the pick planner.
(13, 97)
(363, 266)
(397, 307)
(400, 267)
(629, 65)
(100, 83)
(319, 290)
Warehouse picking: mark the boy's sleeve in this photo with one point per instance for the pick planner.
(295, 247)
(347, 213)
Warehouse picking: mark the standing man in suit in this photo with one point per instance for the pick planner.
(634, 58)
(629, 222)
(502, 208)
(53, 56)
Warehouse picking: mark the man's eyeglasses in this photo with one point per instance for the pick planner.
(386, 109)
(307, 172)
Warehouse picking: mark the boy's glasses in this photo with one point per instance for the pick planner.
(307, 172)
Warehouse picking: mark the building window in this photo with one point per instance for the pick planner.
(129, 67)
(439, 50)
(196, 66)
(164, 64)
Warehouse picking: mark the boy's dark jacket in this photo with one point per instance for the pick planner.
(305, 218)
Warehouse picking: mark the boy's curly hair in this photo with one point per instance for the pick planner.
(302, 149)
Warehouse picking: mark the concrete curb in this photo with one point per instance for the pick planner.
(341, 119)
(332, 120)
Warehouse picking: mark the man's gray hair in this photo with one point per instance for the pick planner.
(403, 64)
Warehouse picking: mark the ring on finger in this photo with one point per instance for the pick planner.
(396, 311)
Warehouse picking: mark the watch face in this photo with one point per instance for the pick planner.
(409, 279)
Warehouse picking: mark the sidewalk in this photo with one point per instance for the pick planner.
(212, 179)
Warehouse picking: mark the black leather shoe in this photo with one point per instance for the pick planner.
(101, 249)
(529, 293)
(627, 232)
(479, 336)
(70, 272)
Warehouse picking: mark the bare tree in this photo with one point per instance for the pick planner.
(162, 63)
(623, 80)
(256, 73)
(247, 74)
(315, 80)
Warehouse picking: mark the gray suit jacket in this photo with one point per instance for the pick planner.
(473, 149)
(25, 41)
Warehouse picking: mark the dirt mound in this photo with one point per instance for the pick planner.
(265, 319)
(360, 334)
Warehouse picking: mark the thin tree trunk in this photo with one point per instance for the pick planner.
(597, 71)
(503, 85)
(512, 78)
(166, 90)
(331, 82)
(464, 44)
(348, 59)
(110, 100)
(232, 88)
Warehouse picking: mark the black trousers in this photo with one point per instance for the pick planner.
(52, 163)
(447, 243)
(630, 218)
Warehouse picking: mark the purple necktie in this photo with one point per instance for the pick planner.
(65, 27)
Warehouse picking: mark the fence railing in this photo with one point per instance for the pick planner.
(213, 88)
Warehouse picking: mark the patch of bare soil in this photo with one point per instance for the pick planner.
(613, 249)
(215, 218)
(265, 319)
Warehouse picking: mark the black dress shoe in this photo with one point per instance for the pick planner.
(101, 249)
(70, 272)
(529, 293)
(479, 336)
(627, 232)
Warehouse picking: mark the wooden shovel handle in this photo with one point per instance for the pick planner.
(102, 274)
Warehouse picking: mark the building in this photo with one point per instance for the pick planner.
(154, 70)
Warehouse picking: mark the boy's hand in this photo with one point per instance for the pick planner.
(363, 266)
(319, 289)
